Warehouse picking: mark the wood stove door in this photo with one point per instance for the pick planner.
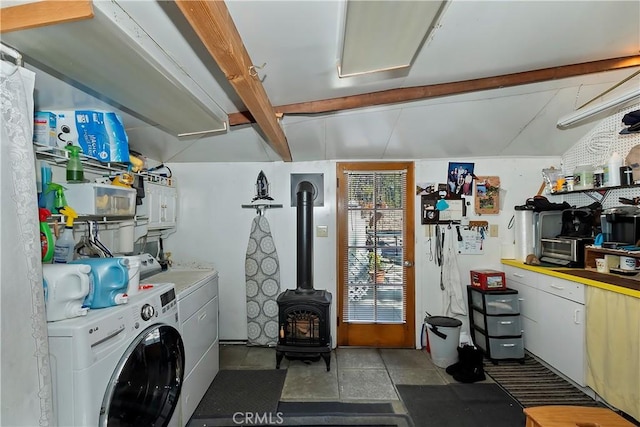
(376, 302)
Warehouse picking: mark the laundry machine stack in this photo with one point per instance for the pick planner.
(121, 365)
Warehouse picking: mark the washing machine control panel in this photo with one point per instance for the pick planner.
(147, 312)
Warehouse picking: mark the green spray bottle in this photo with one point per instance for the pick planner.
(59, 201)
(75, 172)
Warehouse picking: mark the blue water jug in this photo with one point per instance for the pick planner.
(109, 281)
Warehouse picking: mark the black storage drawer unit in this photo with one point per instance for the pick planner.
(495, 324)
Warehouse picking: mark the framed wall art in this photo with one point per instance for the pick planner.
(487, 198)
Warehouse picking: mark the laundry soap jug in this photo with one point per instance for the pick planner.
(108, 283)
(66, 286)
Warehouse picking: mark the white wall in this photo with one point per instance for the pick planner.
(213, 229)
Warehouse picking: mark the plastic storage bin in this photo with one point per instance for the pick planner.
(444, 336)
(498, 325)
(501, 302)
(91, 199)
(500, 348)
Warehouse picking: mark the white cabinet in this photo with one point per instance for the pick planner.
(526, 283)
(159, 205)
(553, 314)
(562, 326)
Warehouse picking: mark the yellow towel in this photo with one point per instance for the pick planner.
(613, 348)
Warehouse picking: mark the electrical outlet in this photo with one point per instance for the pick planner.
(493, 230)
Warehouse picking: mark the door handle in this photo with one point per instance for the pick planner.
(408, 263)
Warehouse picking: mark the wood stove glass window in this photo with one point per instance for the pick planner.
(374, 274)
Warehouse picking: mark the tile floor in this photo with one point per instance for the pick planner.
(356, 375)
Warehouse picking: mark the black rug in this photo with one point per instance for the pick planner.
(533, 384)
(246, 391)
(461, 405)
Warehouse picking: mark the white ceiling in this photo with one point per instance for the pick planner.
(298, 41)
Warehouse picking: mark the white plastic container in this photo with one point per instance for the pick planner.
(612, 172)
(66, 286)
(134, 274)
(444, 336)
(91, 199)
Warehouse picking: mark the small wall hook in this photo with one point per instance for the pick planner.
(254, 73)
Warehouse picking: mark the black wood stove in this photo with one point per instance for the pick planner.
(303, 313)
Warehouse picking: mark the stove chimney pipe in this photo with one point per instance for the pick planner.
(304, 195)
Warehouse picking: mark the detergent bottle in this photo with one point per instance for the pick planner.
(46, 238)
(75, 172)
(63, 250)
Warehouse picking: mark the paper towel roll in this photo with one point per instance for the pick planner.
(524, 233)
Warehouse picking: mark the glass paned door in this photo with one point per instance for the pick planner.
(374, 262)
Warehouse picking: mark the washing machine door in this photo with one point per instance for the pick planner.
(145, 386)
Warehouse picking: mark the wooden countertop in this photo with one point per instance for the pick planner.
(609, 281)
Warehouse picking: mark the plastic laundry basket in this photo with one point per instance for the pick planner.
(444, 336)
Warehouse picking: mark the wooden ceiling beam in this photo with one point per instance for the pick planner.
(416, 93)
(42, 13)
(213, 24)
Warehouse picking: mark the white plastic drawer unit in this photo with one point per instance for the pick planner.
(90, 199)
(500, 348)
(498, 326)
(496, 302)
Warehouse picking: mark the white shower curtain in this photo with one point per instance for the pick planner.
(25, 390)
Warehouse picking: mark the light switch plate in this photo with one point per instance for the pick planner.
(322, 231)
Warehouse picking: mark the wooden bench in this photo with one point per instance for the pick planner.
(573, 416)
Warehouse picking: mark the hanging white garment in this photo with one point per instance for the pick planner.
(453, 293)
(26, 376)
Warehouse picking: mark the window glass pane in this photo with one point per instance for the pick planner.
(375, 274)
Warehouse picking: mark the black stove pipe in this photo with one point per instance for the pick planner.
(304, 212)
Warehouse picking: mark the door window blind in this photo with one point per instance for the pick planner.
(373, 273)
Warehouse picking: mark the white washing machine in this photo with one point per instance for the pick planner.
(119, 366)
(198, 303)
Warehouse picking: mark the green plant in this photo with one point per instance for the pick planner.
(375, 261)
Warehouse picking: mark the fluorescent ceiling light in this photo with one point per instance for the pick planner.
(585, 113)
(385, 35)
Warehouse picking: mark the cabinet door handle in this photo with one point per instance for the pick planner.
(508, 345)
(503, 300)
(520, 299)
(576, 316)
(521, 276)
(560, 288)
(504, 322)
(202, 316)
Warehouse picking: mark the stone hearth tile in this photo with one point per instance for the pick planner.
(406, 358)
(359, 358)
(261, 358)
(365, 384)
(310, 383)
(416, 376)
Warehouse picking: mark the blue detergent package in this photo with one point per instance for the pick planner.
(100, 134)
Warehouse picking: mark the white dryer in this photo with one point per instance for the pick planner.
(119, 366)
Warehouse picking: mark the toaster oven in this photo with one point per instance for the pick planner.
(564, 251)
